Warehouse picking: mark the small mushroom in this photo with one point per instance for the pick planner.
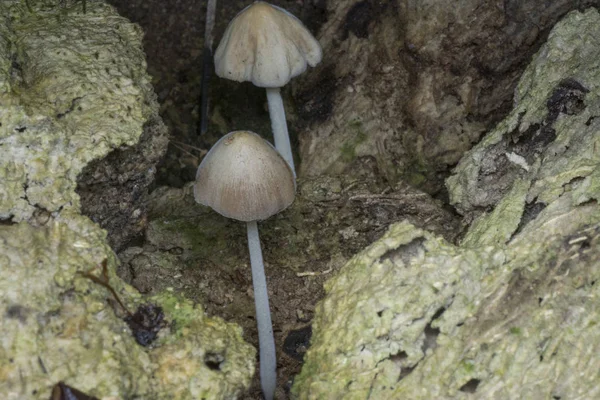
(243, 177)
(268, 46)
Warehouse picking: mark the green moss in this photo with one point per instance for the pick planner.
(467, 366)
(194, 233)
(348, 149)
(356, 124)
(180, 312)
(415, 179)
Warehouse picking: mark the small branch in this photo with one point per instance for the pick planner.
(103, 280)
(198, 149)
(183, 150)
(313, 273)
(207, 60)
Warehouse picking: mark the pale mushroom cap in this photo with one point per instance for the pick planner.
(243, 177)
(266, 45)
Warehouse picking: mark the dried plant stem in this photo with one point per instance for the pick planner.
(207, 60)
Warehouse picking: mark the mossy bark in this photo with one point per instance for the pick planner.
(73, 88)
(512, 311)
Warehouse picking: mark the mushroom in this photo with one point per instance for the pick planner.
(268, 46)
(243, 177)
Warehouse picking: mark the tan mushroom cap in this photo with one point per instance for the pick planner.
(266, 45)
(243, 177)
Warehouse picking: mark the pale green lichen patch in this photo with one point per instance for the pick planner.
(513, 311)
(202, 357)
(56, 329)
(73, 87)
(544, 156)
(550, 138)
(71, 90)
(58, 326)
(414, 317)
(497, 227)
(588, 189)
(383, 311)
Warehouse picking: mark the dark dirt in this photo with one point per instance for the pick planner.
(114, 190)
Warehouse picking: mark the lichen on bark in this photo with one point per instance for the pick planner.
(512, 311)
(73, 88)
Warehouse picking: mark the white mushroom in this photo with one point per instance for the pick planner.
(267, 46)
(244, 178)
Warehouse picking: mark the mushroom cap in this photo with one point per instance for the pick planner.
(243, 177)
(266, 45)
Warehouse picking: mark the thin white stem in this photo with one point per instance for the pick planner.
(266, 342)
(279, 126)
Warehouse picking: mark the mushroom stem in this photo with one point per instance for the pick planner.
(266, 341)
(279, 126)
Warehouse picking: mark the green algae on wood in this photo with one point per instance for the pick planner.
(52, 313)
(202, 357)
(512, 312)
(73, 90)
(370, 326)
(64, 319)
(556, 96)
